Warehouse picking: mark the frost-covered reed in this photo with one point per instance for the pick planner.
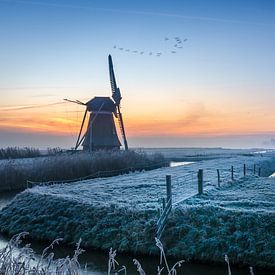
(16, 152)
(69, 166)
(22, 261)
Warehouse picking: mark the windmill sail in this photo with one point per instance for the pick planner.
(116, 95)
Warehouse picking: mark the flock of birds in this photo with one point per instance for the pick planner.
(177, 43)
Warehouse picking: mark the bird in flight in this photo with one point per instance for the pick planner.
(176, 45)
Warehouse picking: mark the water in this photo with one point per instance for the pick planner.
(179, 163)
(97, 261)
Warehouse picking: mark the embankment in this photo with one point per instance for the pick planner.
(237, 220)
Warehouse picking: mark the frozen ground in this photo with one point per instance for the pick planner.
(200, 153)
(236, 219)
(250, 194)
(144, 190)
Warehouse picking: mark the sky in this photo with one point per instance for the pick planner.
(216, 88)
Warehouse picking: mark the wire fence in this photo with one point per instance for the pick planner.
(98, 174)
(223, 176)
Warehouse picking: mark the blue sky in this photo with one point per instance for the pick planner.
(220, 85)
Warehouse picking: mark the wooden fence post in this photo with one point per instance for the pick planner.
(254, 170)
(219, 178)
(167, 206)
(244, 170)
(168, 188)
(163, 203)
(259, 172)
(232, 173)
(200, 181)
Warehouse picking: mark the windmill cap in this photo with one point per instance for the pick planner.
(104, 104)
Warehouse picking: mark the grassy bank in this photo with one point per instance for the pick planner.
(67, 166)
(201, 228)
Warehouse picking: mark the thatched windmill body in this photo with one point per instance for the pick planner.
(101, 131)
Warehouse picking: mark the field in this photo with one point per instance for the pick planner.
(187, 154)
(122, 211)
(144, 190)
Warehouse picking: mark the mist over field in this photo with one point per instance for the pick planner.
(44, 140)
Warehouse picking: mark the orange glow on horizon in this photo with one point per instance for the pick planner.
(188, 124)
(153, 118)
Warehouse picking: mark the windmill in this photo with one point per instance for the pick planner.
(101, 130)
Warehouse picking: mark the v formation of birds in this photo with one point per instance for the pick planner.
(177, 45)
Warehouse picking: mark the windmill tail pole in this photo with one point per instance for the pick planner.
(77, 142)
(122, 129)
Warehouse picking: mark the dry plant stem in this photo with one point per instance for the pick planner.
(112, 261)
(162, 254)
(228, 264)
(139, 267)
(122, 269)
(160, 270)
(44, 253)
(173, 270)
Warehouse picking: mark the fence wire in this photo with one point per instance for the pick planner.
(226, 175)
(102, 173)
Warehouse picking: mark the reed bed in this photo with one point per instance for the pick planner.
(69, 166)
(16, 152)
